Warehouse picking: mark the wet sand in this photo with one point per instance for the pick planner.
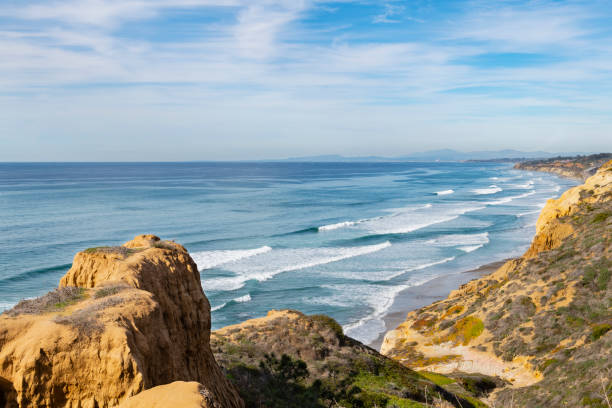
(427, 293)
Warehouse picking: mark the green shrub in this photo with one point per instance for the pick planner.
(548, 363)
(599, 330)
(328, 322)
(601, 217)
(108, 291)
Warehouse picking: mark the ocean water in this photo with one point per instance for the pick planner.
(342, 239)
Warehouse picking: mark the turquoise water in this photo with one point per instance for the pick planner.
(336, 238)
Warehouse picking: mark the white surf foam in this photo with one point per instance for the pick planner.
(379, 298)
(241, 299)
(445, 192)
(338, 225)
(411, 220)
(525, 186)
(223, 284)
(452, 240)
(388, 275)
(221, 306)
(492, 189)
(272, 263)
(6, 306)
(527, 213)
(470, 248)
(211, 259)
(506, 200)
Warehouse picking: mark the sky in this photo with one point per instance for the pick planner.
(171, 80)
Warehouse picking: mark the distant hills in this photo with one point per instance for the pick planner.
(436, 155)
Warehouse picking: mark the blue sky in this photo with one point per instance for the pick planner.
(249, 79)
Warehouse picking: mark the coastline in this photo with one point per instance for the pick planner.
(438, 288)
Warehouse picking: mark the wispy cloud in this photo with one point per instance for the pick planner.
(390, 14)
(273, 74)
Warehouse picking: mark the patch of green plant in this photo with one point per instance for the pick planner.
(599, 330)
(107, 291)
(328, 322)
(436, 378)
(95, 249)
(601, 217)
(548, 363)
(162, 245)
(470, 328)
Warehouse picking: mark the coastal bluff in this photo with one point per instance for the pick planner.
(541, 322)
(124, 320)
(577, 167)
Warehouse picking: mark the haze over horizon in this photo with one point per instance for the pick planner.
(132, 80)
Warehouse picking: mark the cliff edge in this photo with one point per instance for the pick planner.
(541, 322)
(124, 319)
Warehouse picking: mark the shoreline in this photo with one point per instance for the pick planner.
(438, 288)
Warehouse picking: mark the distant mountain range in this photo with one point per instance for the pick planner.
(437, 155)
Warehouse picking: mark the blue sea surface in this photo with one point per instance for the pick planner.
(336, 238)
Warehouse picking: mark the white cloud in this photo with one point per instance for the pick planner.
(390, 13)
(258, 73)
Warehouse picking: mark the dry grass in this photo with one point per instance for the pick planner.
(53, 301)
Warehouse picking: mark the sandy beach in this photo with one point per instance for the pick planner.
(427, 293)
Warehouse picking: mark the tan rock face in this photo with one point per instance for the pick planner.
(141, 320)
(550, 233)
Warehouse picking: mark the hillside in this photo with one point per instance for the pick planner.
(541, 322)
(576, 167)
(288, 359)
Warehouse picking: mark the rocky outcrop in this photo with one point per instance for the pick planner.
(124, 319)
(541, 322)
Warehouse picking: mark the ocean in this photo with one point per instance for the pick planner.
(343, 239)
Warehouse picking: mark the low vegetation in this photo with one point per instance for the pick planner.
(118, 250)
(53, 301)
(317, 366)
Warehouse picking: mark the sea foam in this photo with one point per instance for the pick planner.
(279, 261)
(492, 189)
(211, 259)
(338, 225)
(413, 219)
(379, 298)
(506, 200)
(241, 299)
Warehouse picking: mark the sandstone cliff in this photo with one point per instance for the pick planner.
(541, 322)
(124, 319)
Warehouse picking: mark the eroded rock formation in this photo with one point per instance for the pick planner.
(124, 319)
